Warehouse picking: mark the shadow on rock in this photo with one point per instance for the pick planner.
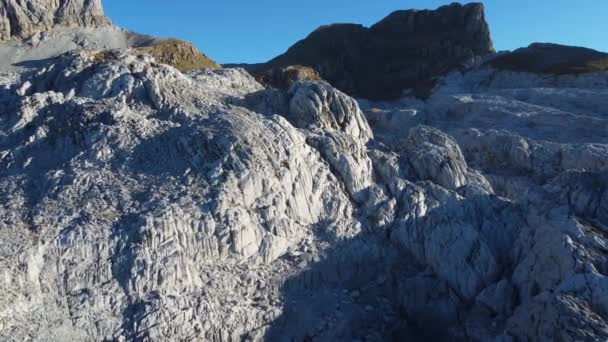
(353, 294)
(179, 150)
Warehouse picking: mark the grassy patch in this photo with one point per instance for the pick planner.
(179, 54)
(581, 67)
(109, 215)
(284, 77)
(103, 56)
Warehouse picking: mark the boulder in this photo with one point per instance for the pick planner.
(320, 105)
(435, 156)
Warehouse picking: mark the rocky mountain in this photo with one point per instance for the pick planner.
(23, 18)
(404, 52)
(552, 59)
(144, 203)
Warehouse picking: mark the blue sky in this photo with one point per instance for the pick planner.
(257, 30)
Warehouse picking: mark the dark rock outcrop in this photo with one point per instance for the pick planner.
(403, 52)
(544, 58)
(21, 19)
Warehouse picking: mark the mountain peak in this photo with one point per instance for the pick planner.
(21, 19)
(402, 53)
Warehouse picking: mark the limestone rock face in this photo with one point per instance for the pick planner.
(220, 185)
(403, 52)
(21, 19)
(527, 227)
(436, 157)
(322, 106)
(141, 202)
(336, 127)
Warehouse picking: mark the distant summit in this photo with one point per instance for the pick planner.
(21, 19)
(545, 58)
(404, 52)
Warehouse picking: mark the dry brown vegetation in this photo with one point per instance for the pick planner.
(284, 77)
(179, 54)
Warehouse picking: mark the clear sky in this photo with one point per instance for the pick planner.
(249, 31)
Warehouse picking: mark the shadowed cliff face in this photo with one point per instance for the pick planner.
(405, 51)
(20, 19)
